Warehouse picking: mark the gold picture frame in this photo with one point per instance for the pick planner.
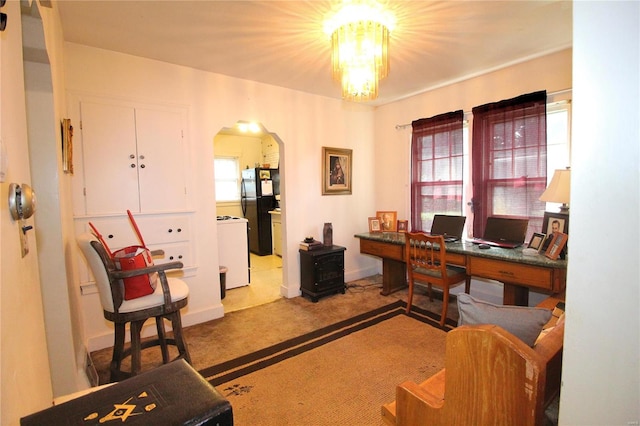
(67, 145)
(388, 220)
(336, 171)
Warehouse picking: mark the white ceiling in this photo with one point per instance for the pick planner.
(282, 42)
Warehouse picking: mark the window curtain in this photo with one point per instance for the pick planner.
(509, 160)
(436, 168)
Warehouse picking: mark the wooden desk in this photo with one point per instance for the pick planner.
(516, 271)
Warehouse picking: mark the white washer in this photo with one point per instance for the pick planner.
(233, 250)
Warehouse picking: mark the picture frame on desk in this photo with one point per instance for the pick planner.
(388, 220)
(537, 239)
(374, 225)
(336, 171)
(558, 242)
(553, 222)
(403, 226)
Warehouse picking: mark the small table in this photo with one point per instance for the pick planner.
(516, 271)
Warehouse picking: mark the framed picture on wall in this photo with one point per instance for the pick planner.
(336, 171)
(67, 145)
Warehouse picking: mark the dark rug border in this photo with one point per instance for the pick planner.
(289, 348)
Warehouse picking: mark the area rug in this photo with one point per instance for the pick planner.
(341, 374)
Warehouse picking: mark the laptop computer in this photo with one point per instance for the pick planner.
(450, 227)
(504, 232)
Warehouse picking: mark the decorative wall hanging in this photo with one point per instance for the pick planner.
(67, 145)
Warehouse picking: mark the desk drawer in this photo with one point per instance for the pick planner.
(507, 272)
(380, 249)
(456, 259)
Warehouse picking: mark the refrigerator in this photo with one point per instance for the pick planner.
(258, 189)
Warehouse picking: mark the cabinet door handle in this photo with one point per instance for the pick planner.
(170, 230)
(142, 166)
(142, 157)
(132, 156)
(133, 166)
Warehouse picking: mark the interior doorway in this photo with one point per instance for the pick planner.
(249, 148)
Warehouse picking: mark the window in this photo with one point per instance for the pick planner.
(509, 156)
(437, 168)
(227, 176)
(437, 189)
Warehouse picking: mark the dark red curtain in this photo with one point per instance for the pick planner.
(436, 168)
(509, 160)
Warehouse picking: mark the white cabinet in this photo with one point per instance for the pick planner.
(276, 232)
(133, 157)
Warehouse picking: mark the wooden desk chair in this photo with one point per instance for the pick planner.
(165, 302)
(425, 257)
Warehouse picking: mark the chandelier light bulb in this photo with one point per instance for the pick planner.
(360, 42)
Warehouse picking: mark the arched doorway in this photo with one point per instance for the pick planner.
(251, 150)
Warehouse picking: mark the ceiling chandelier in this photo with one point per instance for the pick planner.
(360, 48)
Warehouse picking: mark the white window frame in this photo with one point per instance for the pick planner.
(227, 180)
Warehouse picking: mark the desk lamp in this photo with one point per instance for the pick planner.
(559, 190)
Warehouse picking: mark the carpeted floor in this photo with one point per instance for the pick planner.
(344, 381)
(258, 329)
(249, 330)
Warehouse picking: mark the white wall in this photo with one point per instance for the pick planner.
(601, 365)
(304, 123)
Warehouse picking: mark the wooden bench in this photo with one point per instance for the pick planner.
(492, 377)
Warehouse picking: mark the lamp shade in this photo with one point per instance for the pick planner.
(559, 189)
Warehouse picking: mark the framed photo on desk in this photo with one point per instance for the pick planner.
(553, 222)
(558, 241)
(388, 220)
(374, 224)
(536, 241)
